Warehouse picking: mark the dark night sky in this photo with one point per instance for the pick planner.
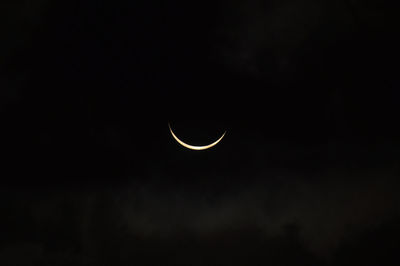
(307, 173)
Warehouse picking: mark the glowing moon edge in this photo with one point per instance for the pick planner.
(192, 147)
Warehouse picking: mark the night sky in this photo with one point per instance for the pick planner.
(307, 174)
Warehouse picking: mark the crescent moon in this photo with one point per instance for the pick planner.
(196, 148)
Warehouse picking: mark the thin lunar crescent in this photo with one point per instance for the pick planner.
(197, 148)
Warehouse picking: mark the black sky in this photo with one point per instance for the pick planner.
(307, 173)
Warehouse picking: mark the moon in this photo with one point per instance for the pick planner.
(192, 147)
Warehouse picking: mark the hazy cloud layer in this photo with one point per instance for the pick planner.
(138, 221)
